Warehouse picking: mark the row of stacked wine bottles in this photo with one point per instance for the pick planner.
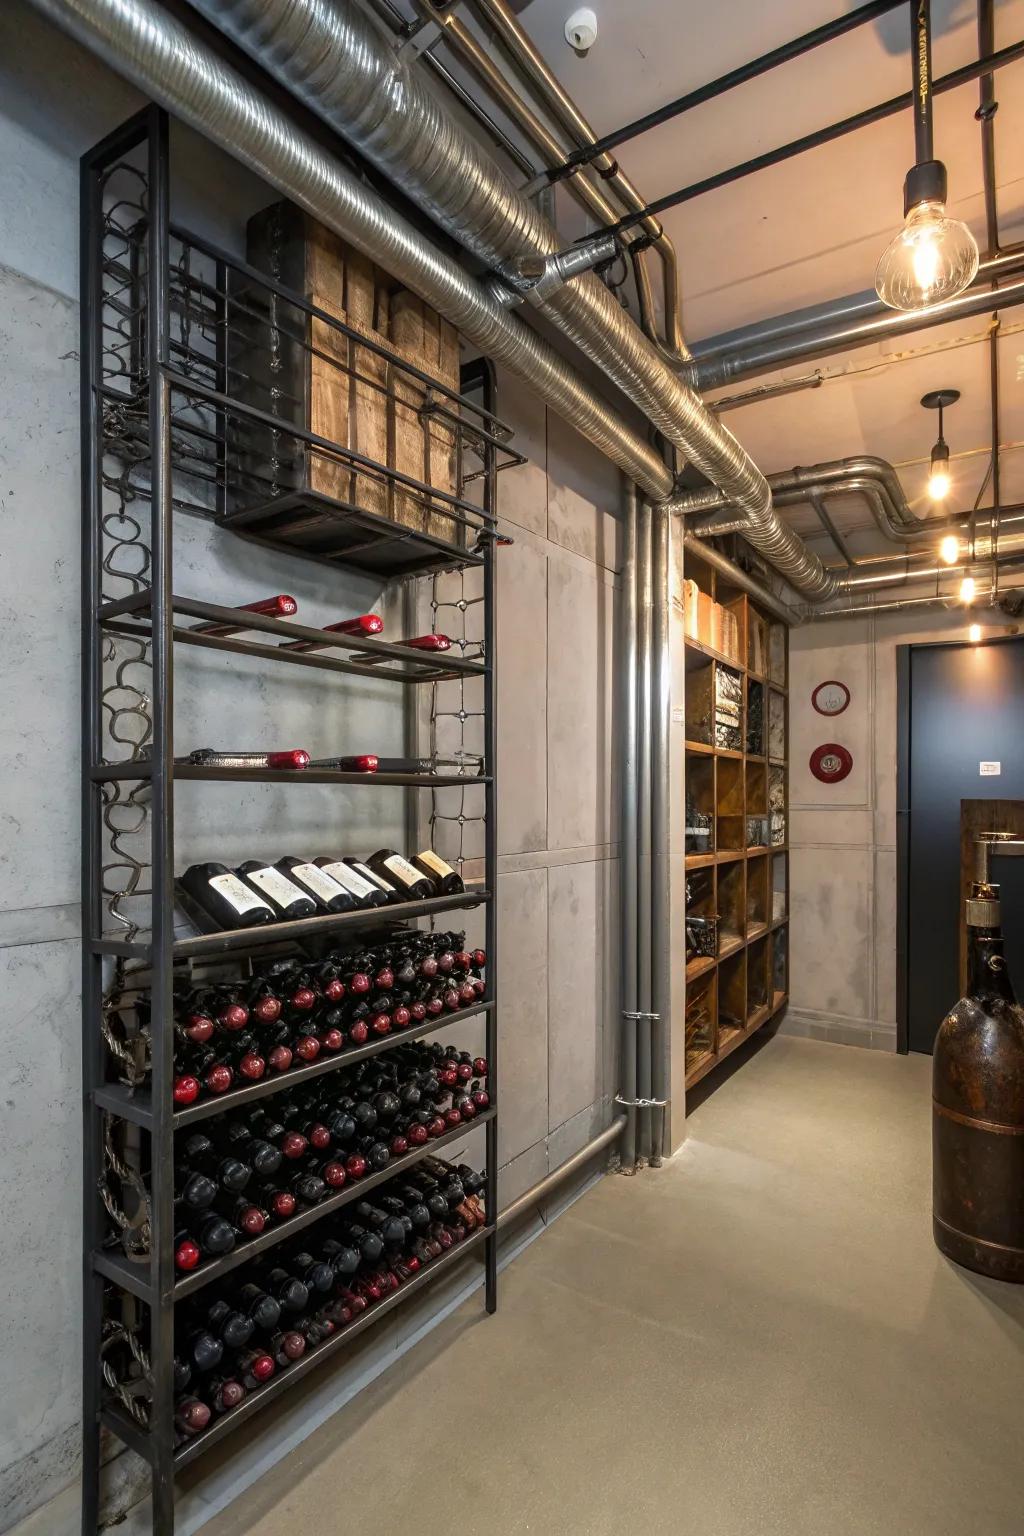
(292, 888)
(290, 1012)
(253, 1169)
(272, 1313)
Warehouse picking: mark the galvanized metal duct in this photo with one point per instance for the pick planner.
(341, 65)
(856, 320)
(167, 62)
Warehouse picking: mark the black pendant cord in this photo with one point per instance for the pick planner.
(921, 52)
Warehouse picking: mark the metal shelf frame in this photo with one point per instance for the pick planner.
(138, 286)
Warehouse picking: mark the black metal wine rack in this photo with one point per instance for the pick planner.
(161, 404)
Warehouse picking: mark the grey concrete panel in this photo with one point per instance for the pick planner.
(581, 742)
(831, 894)
(523, 962)
(575, 990)
(522, 699)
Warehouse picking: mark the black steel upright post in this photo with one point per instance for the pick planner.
(162, 830)
(491, 837)
(91, 409)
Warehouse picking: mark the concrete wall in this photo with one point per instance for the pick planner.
(557, 890)
(843, 836)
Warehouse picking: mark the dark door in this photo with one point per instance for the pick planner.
(966, 708)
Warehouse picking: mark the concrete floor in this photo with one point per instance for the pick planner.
(758, 1339)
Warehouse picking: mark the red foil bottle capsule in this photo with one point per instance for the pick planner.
(479, 1066)
(359, 1032)
(481, 1098)
(449, 1077)
(479, 958)
(267, 1009)
(319, 1137)
(451, 1000)
(385, 978)
(355, 1166)
(362, 624)
(332, 1039)
(280, 1058)
(252, 1066)
(402, 1017)
(428, 966)
(199, 1028)
(418, 1134)
(191, 1416)
(303, 998)
(251, 1220)
(234, 1016)
(452, 1117)
(399, 1146)
(436, 1126)
(289, 761)
(219, 1078)
(186, 1090)
(334, 989)
(293, 1144)
(463, 960)
(467, 994)
(283, 1205)
(429, 643)
(360, 982)
(434, 1006)
(418, 1011)
(362, 762)
(479, 986)
(187, 1254)
(308, 1047)
(381, 1024)
(334, 1175)
(445, 962)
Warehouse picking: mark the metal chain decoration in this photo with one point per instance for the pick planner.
(456, 598)
(127, 1391)
(135, 1230)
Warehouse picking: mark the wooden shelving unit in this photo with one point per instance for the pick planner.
(739, 871)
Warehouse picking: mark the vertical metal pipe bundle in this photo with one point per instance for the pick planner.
(628, 879)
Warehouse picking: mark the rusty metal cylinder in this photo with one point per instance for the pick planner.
(978, 1109)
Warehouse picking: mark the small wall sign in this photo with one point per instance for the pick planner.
(990, 770)
(830, 762)
(830, 697)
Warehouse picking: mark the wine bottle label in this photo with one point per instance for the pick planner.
(346, 876)
(316, 880)
(235, 893)
(402, 870)
(378, 881)
(438, 865)
(273, 884)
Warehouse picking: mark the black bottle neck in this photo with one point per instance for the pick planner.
(987, 973)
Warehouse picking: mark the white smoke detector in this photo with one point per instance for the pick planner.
(581, 29)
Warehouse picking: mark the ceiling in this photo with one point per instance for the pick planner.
(812, 229)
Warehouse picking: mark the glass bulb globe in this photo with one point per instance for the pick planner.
(932, 258)
(967, 590)
(949, 549)
(938, 485)
(974, 633)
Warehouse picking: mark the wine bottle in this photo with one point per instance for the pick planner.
(362, 624)
(446, 881)
(287, 900)
(413, 884)
(224, 899)
(229, 1325)
(191, 1416)
(228, 1172)
(224, 1393)
(259, 1305)
(316, 882)
(379, 881)
(364, 892)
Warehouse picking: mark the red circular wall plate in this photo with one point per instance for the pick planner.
(830, 762)
(830, 697)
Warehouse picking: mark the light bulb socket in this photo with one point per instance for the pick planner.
(925, 182)
(940, 457)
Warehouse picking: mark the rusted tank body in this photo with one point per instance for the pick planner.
(978, 1109)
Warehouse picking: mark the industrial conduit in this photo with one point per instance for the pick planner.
(339, 63)
(166, 62)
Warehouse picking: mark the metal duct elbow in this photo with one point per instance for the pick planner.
(338, 62)
(175, 68)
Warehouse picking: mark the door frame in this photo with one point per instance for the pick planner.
(903, 752)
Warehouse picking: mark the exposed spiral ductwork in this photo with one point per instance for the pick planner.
(167, 62)
(338, 62)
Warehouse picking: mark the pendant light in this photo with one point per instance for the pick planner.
(939, 481)
(933, 257)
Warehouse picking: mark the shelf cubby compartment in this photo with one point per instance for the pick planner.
(700, 799)
(732, 997)
(776, 726)
(777, 655)
(701, 922)
(757, 896)
(757, 643)
(777, 827)
(732, 905)
(779, 961)
(728, 709)
(758, 980)
(701, 1011)
(780, 887)
(700, 703)
(756, 723)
